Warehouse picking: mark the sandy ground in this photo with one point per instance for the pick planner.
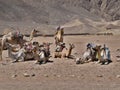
(64, 74)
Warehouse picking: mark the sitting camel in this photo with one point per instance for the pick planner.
(15, 55)
(24, 53)
(105, 55)
(15, 38)
(59, 35)
(65, 53)
(59, 49)
(92, 53)
(11, 37)
(44, 53)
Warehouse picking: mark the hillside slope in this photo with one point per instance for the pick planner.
(24, 13)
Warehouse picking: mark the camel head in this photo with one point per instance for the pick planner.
(79, 61)
(46, 48)
(98, 47)
(17, 35)
(71, 46)
(34, 32)
(58, 28)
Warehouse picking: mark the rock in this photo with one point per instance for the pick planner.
(58, 76)
(3, 64)
(26, 75)
(33, 75)
(13, 76)
(118, 59)
(99, 75)
(72, 75)
(118, 76)
(45, 75)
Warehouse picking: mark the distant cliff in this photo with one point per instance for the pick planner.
(58, 11)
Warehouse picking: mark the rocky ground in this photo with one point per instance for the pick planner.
(64, 74)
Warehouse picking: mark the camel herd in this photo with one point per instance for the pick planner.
(95, 53)
(20, 49)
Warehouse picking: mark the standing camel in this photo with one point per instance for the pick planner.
(59, 35)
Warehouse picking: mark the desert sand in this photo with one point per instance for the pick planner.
(64, 74)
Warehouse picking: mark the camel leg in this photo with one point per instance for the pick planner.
(1, 55)
(3, 41)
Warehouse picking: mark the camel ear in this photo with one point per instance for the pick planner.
(58, 28)
(70, 44)
(36, 30)
(73, 46)
(62, 28)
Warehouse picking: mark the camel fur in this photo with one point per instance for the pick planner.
(65, 53)
(59, 35)
(12, 39)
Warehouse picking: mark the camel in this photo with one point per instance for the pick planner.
(15, 38)
(58, 50)
(88, 56)
(65, 53)
(11, 37)
(92, 53)
(43, 57)
(20, 54)
(24, 53)
(44, 53)
(59, 35)
(105, 55)
(32, 34)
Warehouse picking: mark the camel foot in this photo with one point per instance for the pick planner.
(105, 63)
(44, 62)
(78, 62)
(37, 62)
(97, 62)
(14, 61)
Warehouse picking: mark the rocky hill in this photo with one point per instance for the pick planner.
(33, 13)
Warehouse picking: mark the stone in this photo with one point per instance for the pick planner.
(26, 75)
(13, 76)
(118, 76)
(46, 75)
(99, 75)
(33, 75)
